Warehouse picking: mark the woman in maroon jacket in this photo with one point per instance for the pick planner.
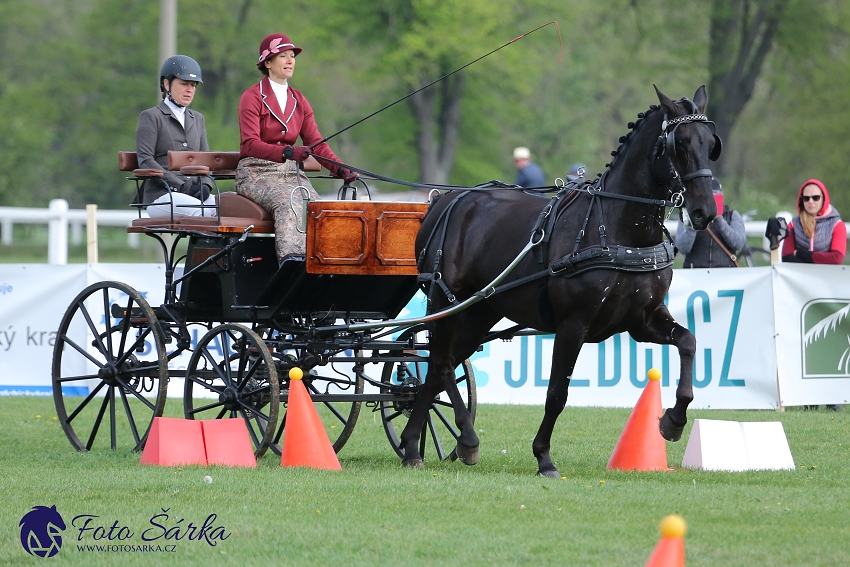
(272, 116)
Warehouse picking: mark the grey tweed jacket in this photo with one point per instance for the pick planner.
(157, 132)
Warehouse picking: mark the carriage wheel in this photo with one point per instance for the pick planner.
(108, 365)
(339, 416)
(439, 428)
(232, 375)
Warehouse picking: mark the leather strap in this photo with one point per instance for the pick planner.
(722, 247)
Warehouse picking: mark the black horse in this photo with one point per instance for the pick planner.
(600, 266)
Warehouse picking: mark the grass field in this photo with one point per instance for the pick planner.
(497, 513)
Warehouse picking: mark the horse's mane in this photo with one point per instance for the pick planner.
(633, 127)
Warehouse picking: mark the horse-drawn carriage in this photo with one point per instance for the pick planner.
(243, 321)
(599, 266)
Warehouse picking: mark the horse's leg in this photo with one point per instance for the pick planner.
(661, 328)
(452, 341)
(566, 348)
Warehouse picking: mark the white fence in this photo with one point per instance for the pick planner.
(59, 218)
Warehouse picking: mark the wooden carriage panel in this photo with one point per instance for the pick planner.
(340, 237)
(363, 237)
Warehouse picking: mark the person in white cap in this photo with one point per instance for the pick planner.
(529, 173)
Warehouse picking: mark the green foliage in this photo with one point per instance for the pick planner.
(75, 75)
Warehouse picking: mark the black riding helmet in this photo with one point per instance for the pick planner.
(180, 66)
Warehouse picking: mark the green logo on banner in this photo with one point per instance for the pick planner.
(826, 338)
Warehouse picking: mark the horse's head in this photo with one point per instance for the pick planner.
(686, 145)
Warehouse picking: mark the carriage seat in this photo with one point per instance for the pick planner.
(235, 212)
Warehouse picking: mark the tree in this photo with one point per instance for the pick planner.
(741, 37)
(424, 40)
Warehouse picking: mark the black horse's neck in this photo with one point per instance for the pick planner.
(631, 173)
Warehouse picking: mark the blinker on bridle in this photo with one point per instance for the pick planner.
(666, 146)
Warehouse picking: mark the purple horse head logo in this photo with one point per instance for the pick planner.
(41, 531)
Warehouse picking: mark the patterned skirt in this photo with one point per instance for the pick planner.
(270, 185)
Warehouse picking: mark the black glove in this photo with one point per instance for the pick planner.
(347, 175)
(196, 188)
(805, 256)
(297, 153)
(777, 229)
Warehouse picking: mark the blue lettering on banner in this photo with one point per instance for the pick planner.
(5, 288)
(523, 364)
(44, 391)
(738, 295)
(604, 382)
(539, 380)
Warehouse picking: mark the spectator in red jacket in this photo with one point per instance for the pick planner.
(816, 235)
(272, 116)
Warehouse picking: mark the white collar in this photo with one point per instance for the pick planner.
(179, 112)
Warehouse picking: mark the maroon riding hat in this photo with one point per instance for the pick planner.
(274, 44)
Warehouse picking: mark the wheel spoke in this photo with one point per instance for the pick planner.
(77, 378)
(96, 426)
(113, 433)
(437, 445)
(101, 347)
(393, 415)
(81, 350)
(107, 320)
(208, 407)
(251, 431)
(141, 398)
(255, 411)
(455, 433)
(207, 385)
(129, 413)
(125, 323)
(249, 374)
(85, 402)
(140, 340)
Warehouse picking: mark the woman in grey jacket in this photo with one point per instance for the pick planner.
(702, 249)
(170, 125)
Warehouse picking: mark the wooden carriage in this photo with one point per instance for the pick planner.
(244, 321)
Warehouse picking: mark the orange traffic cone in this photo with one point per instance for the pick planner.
(670, 551)
(305, 441)
(641, 446)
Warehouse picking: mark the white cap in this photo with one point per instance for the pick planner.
(522, 153)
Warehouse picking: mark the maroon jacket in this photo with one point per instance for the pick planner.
(266, 128)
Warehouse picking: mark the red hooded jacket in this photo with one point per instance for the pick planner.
(838, 242)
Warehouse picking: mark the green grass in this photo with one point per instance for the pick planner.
(497, 513)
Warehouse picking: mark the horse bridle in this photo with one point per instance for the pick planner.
(666, 147)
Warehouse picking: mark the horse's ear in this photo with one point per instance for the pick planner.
(701, 99)
(668, 105)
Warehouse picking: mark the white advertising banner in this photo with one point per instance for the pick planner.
(811, 304)
(731, 312)
(33, 298)
(728, 310)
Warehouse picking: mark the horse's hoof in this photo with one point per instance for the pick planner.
(549, 473)
(669, 429)
(466, 455)
(413, 463)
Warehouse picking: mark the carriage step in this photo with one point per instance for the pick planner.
(119, 312)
